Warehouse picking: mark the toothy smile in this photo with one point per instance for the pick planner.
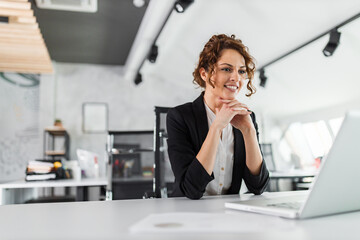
(232, 87)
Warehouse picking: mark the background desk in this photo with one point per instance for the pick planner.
(112, 219)
(296, 176)
(81, 185)
(292, 174)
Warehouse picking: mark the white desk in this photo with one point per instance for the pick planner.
(111, 220)
(22, 184)
(292, 174)
(55, 183)
(296, 176)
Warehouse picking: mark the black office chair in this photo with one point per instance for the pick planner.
(163, 176)
(266, 149)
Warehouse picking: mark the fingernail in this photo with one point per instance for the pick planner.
(249, 110)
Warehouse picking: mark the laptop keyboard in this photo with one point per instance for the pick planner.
(291, 205)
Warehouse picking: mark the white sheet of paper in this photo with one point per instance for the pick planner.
(205, 222)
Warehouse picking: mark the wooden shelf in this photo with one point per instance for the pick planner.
(55, 153)
(22, 46)
(53, 135)
(56, 130)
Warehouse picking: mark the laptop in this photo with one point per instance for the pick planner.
(335, 189)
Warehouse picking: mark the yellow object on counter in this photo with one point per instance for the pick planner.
(57, 165)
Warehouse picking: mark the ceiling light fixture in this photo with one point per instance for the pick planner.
(334, 41)
(66, 5)
(156, 15)
(138, 79)
(263, 78)
(181, 5)
(139, 3)
(153, 53)
(329, 48)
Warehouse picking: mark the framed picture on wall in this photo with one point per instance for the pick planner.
(95, 117)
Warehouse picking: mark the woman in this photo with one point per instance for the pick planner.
(213, 141)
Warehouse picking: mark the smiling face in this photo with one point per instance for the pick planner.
(228, 77)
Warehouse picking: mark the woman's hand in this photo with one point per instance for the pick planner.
(241, 115)
(223, 116)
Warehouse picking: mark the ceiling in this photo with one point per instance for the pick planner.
(303, 82)
(103, 37)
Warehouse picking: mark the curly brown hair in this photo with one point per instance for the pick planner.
(212, 52)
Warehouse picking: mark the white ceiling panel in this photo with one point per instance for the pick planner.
(302, 82)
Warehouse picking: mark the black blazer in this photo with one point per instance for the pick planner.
(187, 128)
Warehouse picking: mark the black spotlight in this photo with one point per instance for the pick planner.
(182, 5)
(4, 19)
(153, 53)
(138, 79)
(263, 78)
(334, 41)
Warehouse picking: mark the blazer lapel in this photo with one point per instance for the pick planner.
(201, 119)
(239, 147)
(239, 153)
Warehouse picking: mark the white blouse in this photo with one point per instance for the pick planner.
(224, 160)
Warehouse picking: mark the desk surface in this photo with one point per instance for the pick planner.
(112, 219)
(55, 183)
(293, 174)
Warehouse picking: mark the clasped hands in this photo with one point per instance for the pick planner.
(235, 113)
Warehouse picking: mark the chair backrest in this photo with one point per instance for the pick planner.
(266, 149)
(164, 178)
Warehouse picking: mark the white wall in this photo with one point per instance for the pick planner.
(19, 122)
(131, 107)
